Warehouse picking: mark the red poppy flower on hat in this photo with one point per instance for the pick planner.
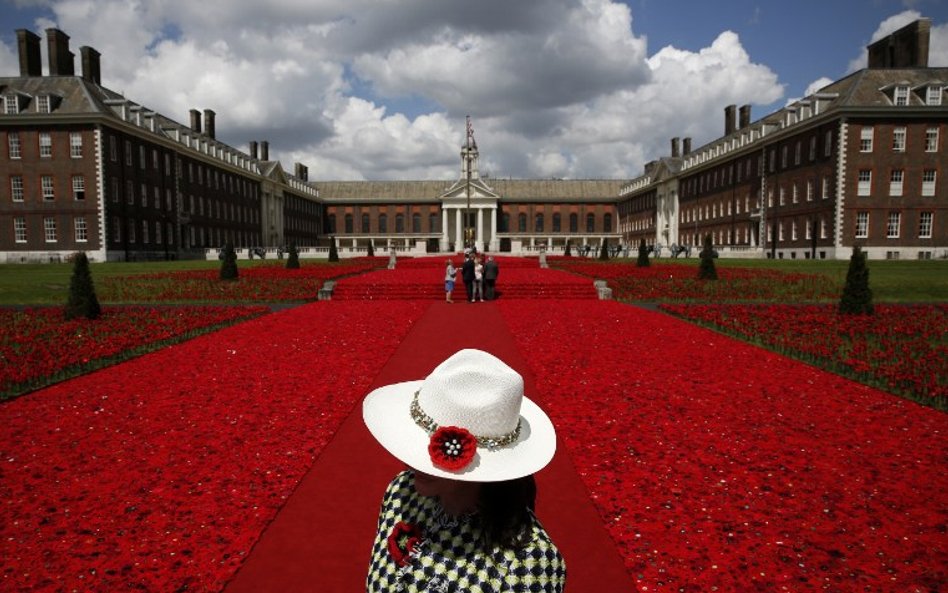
(403, 540)
(452, 448)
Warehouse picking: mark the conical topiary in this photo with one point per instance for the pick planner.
(293, 261)
(707, 271)
(333, 253)
(229, 263)
(371, 252)
(82, 300)
(604, 250)
(567, 252)
(857, 296)
(643, 261)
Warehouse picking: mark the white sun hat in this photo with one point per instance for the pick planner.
(468, 421)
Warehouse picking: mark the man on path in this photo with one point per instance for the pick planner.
(490, 278)
(467, 275)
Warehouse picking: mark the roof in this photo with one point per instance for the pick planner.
(508, 189)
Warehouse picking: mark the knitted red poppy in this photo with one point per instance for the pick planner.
(403, 540)
(452, 448)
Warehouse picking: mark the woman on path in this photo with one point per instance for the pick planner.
(461, 517)
(478, 281)
(449, 273)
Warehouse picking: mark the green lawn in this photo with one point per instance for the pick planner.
(891, 281)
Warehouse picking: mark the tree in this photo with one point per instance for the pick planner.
(333, 253)
(707, 271)
(643, 261)
(567, 252)
(371, 251)
(857, 296)
(293, 262)
(82, 300)
(229, 263)
(604, 250)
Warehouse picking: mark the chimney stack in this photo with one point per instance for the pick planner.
(61, 60)
(209, 122)
(253, 149)
(906, 48)
(264, 150)
(299, 171)
(745, 117)
(196, 121)
(28, 42)
(686, 147)
(90, 64)
(729, 113)
(675, 148)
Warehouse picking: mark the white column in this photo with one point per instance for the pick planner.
(494, 243)
(480, 227)
(444, 228)
(459, 234)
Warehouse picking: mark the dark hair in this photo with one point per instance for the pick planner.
(505, 512)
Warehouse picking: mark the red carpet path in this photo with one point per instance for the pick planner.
(320, 541)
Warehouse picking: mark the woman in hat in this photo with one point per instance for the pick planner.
(461, 517)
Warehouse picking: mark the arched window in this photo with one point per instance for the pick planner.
(365, 223)
(383, 223)
(522, 222)
(557, 227)
(607, 222)
(505, 223)
(331, 224)
(348, 223)
(416, 223)
(433, 223)
(574, 223)
(538, 226)
(399, 223)
(590, 223)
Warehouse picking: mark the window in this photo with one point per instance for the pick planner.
(11, 105)
(895, 182)
(78, 187)
(45, 145)
(113, 152)
(15, 148)
(49, 229)
(557, 222)
(157, 197)
(812, 153)
(144, 195)
(130, 192)
(365, 223)
(607, 222)
(797, 153)
(16, 188)
(399, 223)
(783, 157)
(828, 143)
(825, 188)
(158, 238)
(145, 232)
(865, 139)
(933, 96)
(893, 225)
(348, 222)
(574, 223)
(931, 140)
(925, 225)
(42, 104)
(538, 223)
(131, 230)
(780, 231)
(809, 191)
(81, 231)
(19, 229)
(793, 230)
(928, 182)
(862, 225)
(898, 139)
(901, 96)
(433, 223)
(590, 223)
(128, 153)
(154, 158)
(117, 229)
(796, 193)
(783, 196)
(383, 223)
(522, 222)
(49, 192)
(865, 183)
(75, 145)
(142, 163)
(416, 222)
(823, 228)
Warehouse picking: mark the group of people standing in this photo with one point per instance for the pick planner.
(479, 277)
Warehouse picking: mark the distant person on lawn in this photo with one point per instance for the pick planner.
(461, 517)
(490, 278)
(467, 275)
(449, 274)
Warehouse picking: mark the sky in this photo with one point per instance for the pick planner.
(379, 89)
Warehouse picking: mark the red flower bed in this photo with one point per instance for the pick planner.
(259, 283)
(37, 347)
(901, 348)
(717, 465)
(674, 282)
(159, 474)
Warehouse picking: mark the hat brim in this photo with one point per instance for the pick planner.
(387, 416)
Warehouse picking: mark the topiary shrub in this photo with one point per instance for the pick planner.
(293, 261)
(82, 300)
(567, 252)
(333, 252)
(857, 296)
(707, 271)
(604, 250)
(643, 261)
(371, 252)
(229, 263)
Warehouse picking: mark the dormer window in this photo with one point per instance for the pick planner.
(933, 95)
(42, 104)
(901, 96)
(11, 105)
